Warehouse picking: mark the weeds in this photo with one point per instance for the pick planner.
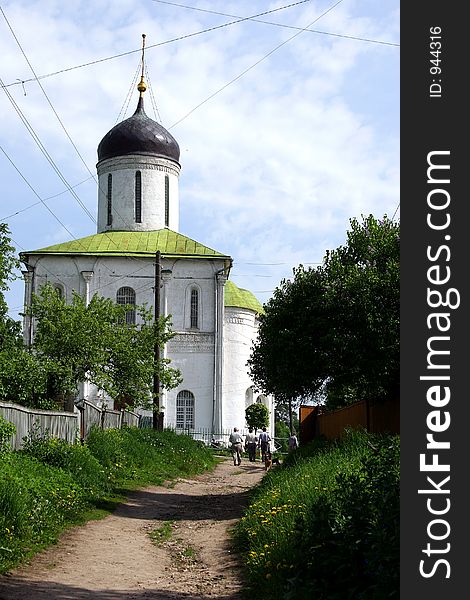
(162, 534)
(325, 525)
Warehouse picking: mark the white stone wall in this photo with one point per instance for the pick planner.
(153, 171)
(193, 349)
(239, 329)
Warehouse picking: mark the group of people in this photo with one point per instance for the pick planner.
(253, 442)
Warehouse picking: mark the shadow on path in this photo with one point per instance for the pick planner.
(13, 587)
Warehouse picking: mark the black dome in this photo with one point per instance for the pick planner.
(138, 135)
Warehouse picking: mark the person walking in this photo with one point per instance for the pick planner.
(251, 441)
(236, 442)
(293, 442)
(263, 443)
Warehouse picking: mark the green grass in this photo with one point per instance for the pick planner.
(312, 529)
(50, 485)
(163, 533)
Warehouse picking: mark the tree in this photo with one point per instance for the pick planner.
(333, 330)
(257, 416)
(93, 341)
(9, 329)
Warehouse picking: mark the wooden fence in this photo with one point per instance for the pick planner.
(62, 425)
(378, 417)
(65, 425)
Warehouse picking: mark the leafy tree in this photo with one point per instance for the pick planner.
(9, 329)
(94, 342)
(364, 295)
(257, 416)
(333, 330)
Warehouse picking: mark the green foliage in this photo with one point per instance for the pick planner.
(93, 340)
(50, 484)
(351, 537)
(7, 429)
(147, 456)
(24, 378)
(334, 329)
(257, 416)
(75, 459)
(36, 502)
(10, 330)
(326, 524)
(281, 431)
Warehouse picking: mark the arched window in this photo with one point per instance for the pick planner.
(59, 290)
(167, 201)
(126, 295)
(138, 197)
(109, 196)
(185, 410)
(194, 314)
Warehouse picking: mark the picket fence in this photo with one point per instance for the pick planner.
(68, 426)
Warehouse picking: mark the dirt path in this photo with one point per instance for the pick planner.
(115, 558)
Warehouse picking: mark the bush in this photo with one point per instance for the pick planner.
(75, 459)
(325, 525)
(147, 456)
(351, 536)
(36, 502)
(7, 429)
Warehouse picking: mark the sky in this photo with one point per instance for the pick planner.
(288, 122)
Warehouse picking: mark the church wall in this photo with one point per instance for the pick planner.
(193, 354)
(153, 171)
(192, 349)
(239, 331)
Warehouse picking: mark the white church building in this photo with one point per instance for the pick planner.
(138, 215)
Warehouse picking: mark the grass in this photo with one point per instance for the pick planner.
(312, 529)
(163, 533)
(50, 485)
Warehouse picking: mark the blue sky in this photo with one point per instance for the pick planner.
(285, 134)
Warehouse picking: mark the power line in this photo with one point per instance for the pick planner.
(39, 202)
(341, 35)
(255, 64)
(44, 151)
(177, 39)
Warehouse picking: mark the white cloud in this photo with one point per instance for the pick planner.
(273, 166)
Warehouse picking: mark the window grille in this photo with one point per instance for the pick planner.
(126, 295)
(194, 322)
(185, 410)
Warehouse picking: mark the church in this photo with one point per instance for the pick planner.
(215, 322)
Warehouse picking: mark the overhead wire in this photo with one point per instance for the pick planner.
(42, 147)
(44, 151)
(39, 202)
(340, 35)
(301, 30)
(243, 73)
(177, 39)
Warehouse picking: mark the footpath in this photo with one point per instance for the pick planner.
(116, 559)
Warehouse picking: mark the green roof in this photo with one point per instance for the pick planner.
(132, 243)
(235, 296)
